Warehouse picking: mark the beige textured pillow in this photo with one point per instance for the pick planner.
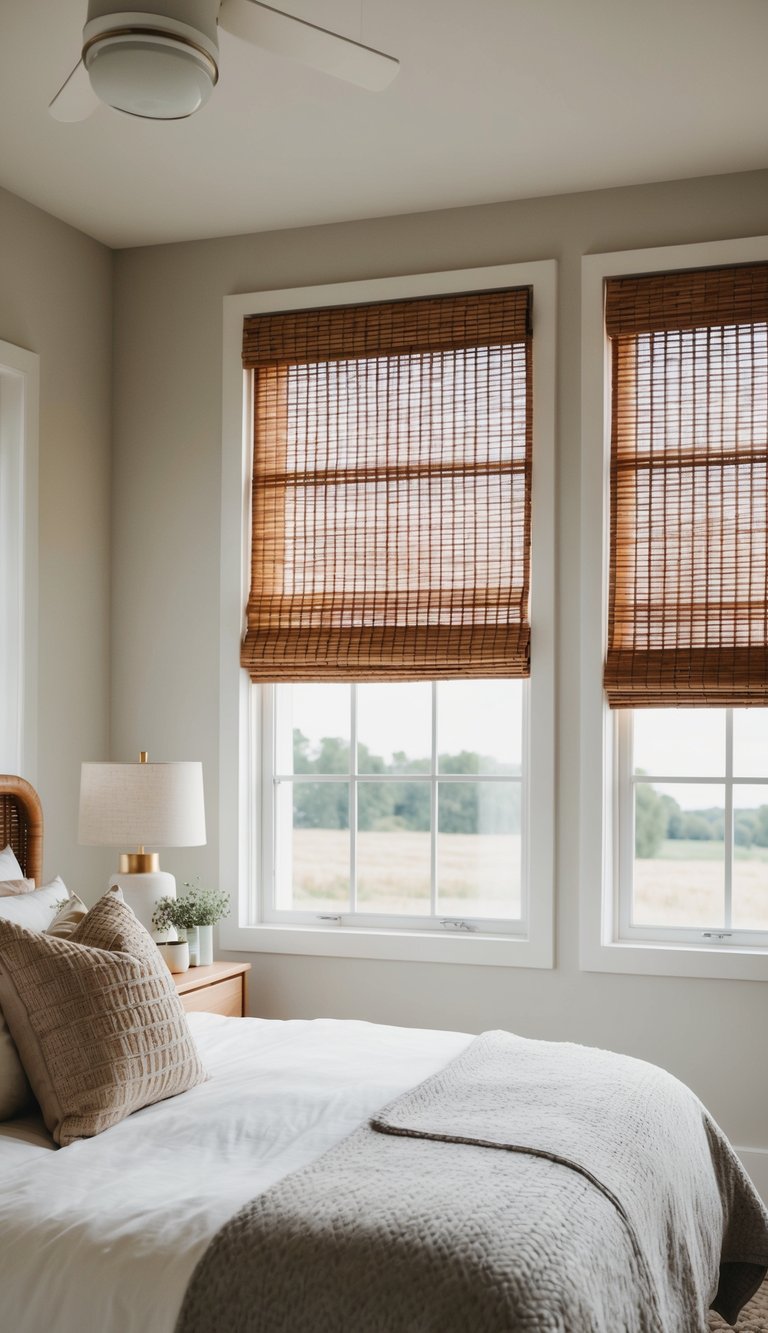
(15, 1093)
(35, 910)
(96, 1019)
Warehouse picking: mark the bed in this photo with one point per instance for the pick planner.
(278, 1194)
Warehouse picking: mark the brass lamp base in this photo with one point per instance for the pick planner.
(139, 863)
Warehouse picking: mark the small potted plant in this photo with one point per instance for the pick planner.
(175, 914)
(194, 915)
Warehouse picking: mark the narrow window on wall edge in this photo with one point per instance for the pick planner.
(686, 672)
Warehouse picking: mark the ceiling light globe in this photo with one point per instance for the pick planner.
(154, 77)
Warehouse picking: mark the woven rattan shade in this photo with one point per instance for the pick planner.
(391, 490)
(688, 601)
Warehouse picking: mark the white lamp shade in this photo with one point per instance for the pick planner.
(142, 805)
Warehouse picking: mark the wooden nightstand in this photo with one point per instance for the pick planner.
(216, 989)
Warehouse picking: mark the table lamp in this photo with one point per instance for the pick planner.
(142, 805)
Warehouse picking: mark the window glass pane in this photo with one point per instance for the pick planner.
(679, 741)
(313, 728)
(312, 846)
(750, 743)
(750, 858)
(479, 727)
(394, 728)
(393, 847)
(679, 873)
(479, 849)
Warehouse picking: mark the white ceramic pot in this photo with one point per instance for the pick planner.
(176, 955)
(205, 945)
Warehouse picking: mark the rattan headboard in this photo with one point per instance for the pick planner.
(21, 824)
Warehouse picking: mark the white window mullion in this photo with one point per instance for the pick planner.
(277, 850)
(624, 897)
(728, 831)
(433, 808)
(353, 798)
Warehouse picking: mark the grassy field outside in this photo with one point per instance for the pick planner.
(683, 885)
(478, 875)
(691, 849)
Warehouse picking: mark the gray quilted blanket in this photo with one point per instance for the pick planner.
(530, 1187)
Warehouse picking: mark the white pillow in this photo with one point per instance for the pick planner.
(36, 911)
(9, 866)
(9, 888)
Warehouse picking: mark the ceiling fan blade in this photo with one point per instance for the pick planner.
(319, 48)
(75, 99)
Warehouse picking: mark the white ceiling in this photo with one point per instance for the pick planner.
(496, 99)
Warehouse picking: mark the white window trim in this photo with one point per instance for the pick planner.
(238, 761)
(19, 431)
(600, 948)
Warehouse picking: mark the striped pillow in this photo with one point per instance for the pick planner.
(96, 1019)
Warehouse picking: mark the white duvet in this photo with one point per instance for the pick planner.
(102, 1236)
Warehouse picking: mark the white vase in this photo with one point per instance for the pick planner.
(205, 945)
(194, 947)
(176, 955)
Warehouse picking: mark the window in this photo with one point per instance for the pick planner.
(693, 835)
(19, 378)
(387, 785)
(686, 622)
(397, 801)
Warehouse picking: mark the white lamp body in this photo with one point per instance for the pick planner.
(142, 892)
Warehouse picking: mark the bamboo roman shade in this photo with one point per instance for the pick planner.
(391, 490)
(688, 608)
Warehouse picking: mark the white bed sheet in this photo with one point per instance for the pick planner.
(104, 1235)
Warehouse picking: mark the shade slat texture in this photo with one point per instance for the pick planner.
(688, 595)
(391, 500)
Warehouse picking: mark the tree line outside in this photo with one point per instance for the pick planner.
(464, 807)
(659, 818)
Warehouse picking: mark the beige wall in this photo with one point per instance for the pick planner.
(56, 300)
(166, 601)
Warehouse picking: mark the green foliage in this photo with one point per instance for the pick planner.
(697, 827)
(196, 907)
(207, 906)
(174, 912)
(659, 818)
(651, 819)
(761, 826)
(744, 822)
(389, 806)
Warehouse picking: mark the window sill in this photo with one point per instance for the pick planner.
(416, 946)
(657, 959)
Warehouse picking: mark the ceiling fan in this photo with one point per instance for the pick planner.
(162, 62)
